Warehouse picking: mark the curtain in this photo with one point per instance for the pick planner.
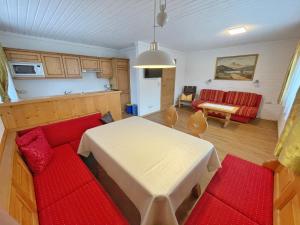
(3, 77)
(289, 74)
(288, 146)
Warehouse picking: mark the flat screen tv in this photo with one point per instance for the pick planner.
(153, 73)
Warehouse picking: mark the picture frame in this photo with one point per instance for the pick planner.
(240, 67)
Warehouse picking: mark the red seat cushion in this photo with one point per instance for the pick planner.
(64, 174)
(212, 95)
(247, 111)
(211, 211)
(89, 205)
(75, 145)
(246, 187)
(242, 98)
(35, 149)
(70, 130)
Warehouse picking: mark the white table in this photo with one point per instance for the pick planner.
(154, 165)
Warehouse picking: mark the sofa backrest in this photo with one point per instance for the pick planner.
(70, 130)
(242, 98)
(212, 95)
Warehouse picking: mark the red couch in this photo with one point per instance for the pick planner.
(66, 191)
(248, 102)
(240, 193)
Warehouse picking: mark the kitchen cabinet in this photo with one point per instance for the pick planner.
(22, 56)
(72, 66)
(89, 64)
(53, 66)
(106, 70)
(121, 80)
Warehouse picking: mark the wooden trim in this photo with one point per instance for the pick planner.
(6, 170)
(272, 164)
(2, 143)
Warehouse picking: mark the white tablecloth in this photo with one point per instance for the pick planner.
(154, 165)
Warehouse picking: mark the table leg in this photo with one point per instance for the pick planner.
(196, 191)
(205, 113)
(227, 119)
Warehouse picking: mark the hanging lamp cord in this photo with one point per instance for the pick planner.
(154, 21)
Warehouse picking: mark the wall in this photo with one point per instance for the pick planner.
(149, 90)
(273, 61)
(38, 88)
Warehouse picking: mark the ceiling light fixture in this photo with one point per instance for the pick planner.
(154, 58)
(237, 30)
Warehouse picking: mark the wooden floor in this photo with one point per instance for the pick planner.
(254, 142)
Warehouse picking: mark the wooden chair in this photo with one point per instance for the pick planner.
(197, 124)
(171, 116)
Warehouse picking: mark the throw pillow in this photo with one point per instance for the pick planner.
(35, 149)
(107, 118)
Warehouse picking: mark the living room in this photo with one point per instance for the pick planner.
(149, 112)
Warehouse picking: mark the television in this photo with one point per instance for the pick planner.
(152, 73)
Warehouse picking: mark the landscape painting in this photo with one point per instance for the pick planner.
(240, 67)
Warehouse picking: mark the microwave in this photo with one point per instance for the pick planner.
(27, 69)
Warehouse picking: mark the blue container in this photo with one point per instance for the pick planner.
(129, 108)
(134, 110)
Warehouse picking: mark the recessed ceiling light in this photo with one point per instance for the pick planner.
(237, 30)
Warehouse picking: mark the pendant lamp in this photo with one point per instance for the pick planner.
(154, 58)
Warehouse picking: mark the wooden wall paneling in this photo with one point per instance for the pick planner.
(72, 66)
(22, 180)
(167, 88)
(21, 210)
(22, 56)
(115, 109)
(30, 113)
(53, 65)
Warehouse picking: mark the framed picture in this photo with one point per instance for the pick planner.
(241, 67)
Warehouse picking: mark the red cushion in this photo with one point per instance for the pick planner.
(75, 145)
(35, 149)
(242, 98)
(247, 111)
(212, 95)
(211, 211)
(64, 174)
(246, 187)
(70, 130)
(89, 205)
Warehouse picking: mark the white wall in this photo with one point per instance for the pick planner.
(37, 88)
(149, 89)
(273, 61)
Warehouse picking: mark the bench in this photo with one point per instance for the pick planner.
(244, 193)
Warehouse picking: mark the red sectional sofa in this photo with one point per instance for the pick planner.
(66, 191)
(248, 102)
(240, 193)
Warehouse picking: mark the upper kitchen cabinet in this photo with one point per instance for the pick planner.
(89, 64)
(53, 66)
(22, 56)
(72, 66)
(106, 70)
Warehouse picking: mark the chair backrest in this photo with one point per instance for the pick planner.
(197, 123)
(187, 90)
(171, 116)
